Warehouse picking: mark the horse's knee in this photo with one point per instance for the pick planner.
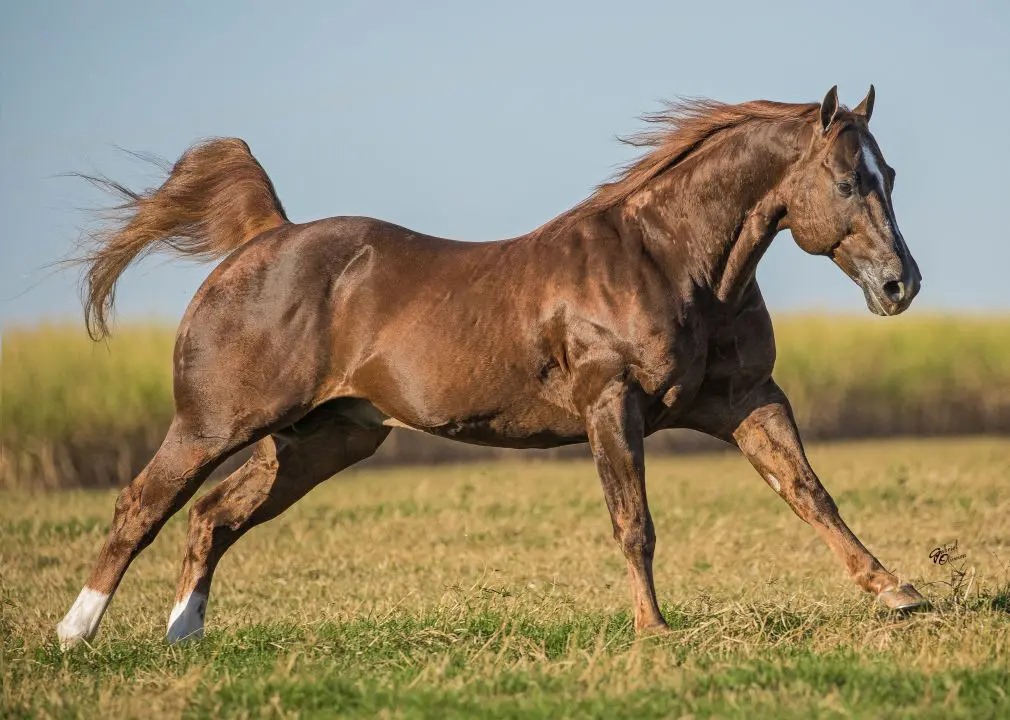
(636, 537)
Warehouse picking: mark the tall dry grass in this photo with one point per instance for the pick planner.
(75, 412)
(914, 375)
(78, 413)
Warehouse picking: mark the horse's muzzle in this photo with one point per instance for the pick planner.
(892, 296)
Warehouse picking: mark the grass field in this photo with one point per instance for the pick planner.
(495, 590)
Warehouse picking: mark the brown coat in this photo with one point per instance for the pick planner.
(637, 310)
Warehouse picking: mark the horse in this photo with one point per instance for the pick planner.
(634, 311)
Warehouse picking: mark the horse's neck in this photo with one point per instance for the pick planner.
(710, 220)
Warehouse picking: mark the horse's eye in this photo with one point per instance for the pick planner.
(845, 187)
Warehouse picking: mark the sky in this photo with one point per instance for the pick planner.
(480, 121)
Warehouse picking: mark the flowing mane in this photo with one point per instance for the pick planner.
(684, 126)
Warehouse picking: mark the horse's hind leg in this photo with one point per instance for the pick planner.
(178, 468)
(282, 470)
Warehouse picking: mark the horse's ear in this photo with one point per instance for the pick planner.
(865, 108)
(829, 108)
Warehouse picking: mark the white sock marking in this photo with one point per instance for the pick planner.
(186, 620)
(81, 622)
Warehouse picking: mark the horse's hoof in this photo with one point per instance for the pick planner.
(71, 636)
(903, 599)
(80, 624)
(654, 630)
(186, 621)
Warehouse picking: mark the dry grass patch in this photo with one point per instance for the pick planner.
(496, 590)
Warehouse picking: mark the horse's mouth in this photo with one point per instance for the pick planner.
(889, 298)
(889, 283)
(878, 306)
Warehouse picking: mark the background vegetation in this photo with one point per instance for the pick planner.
(73, 413)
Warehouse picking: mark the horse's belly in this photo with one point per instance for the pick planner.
(534, 427)
(511, 432)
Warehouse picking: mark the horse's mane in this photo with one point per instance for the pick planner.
(684, 126)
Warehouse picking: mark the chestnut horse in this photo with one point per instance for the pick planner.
(635, 311)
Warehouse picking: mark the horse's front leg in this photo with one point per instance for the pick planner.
(766, 433)
(615, 429)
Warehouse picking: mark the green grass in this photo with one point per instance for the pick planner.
(496, 590)
(489, 664)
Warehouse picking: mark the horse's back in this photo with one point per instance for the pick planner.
(433, 332)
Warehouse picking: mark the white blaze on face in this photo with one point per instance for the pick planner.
(773, 482)
(872, 164)
(81, 622)
(186, 620)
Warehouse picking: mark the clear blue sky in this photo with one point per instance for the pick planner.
(479, 120)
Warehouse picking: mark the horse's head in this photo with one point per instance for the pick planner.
(840, 206)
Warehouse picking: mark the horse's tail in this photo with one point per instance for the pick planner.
(216, 198)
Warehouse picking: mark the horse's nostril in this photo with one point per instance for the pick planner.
(895, 290)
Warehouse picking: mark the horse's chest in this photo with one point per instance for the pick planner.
(672, 380)
(732, 357)
(740, 359)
